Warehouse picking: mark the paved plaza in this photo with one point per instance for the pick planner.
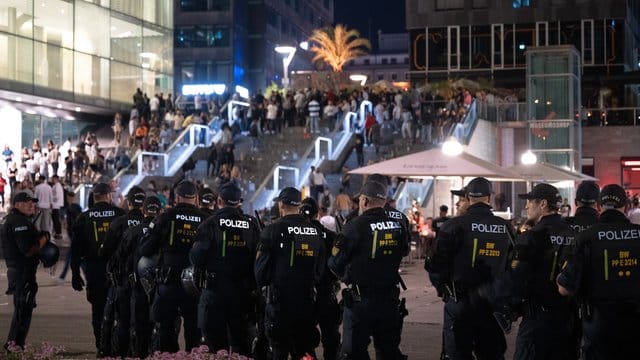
(62, 316)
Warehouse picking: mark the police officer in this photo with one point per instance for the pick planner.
(366, 256)
(546, 326)
(140, 324)
(587, 207)
(171, 235)
(442, 218)
(289, 264)
(207, 201)
(115, 322)
(21, 245)
(587, 212)
(225, 248)
(605, 273)
(328, 310)
(469, 251)
(463, 202)
(89, 234)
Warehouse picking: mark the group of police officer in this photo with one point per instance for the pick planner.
(222, 275)
(573, 281)
(227, 279)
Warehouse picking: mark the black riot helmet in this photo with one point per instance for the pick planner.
(147, 272)
(49, 254)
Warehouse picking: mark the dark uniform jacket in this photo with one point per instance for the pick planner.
(605, 267)
(127, 252)
(470, 250)
(226, 244)
(115, 237)
(207, 211)
(368, 251)
(584, 217)
(172, 235)
(291, 256)
(539, 257)
(329, 281)
(90, 232)
(18, 238)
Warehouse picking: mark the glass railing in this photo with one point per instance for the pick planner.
(501, 112)
(464, 129)
(622, 116)
(413, 190)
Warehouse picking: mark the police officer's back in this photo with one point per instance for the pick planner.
(89, 234)
(289, 264)
(115, 323)
(225, 249)
(21, 244)
(586, 207)
(328, 309)
(469, 252)
(171, 235)
(605, 275)
(366, 256)
(546, 326)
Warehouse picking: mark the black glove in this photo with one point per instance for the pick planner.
(76, 282)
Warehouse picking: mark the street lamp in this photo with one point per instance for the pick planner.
(359, 77)
(452, 147)
(288, 51)
(528, 158)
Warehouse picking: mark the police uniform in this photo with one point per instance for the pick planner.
(139, 322)
(470, 251)
(289, 264)
(327, 308)
(605, 275)
(115, 323)
(171, 235)
(19, 238)
(225, 248)
(547, 318)
(89, 234)
(367, 256)
(586, 215)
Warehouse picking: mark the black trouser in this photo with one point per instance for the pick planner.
(329, 319)
(224, 307)
(141, 325)
(105, 346)
(24, 289)
(97, 289)
(170, 302)
(612, 332)
(291, 329)
(544, 333)
(57, 226)
(374, 315)
(122, 318)
(471, 330)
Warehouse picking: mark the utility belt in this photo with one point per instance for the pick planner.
(455, 291)
(534, 307)
(354, 293)
(274, 296)
(210, 280)
(168, 276)
(115, 278)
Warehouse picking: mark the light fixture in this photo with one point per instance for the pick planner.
(242, 91)
(304, 45)
(359, 77)
(536, 101)
(59, 106)
(18, 99)
(32, 112)
(452, 147)
(285, 50)
(78, 108)
(289, 52)
(528, 158)
(39, 102)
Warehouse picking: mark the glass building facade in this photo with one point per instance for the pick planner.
(86, 51)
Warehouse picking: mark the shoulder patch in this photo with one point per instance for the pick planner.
(335, 251)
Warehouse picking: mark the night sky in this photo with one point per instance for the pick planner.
(385, 15)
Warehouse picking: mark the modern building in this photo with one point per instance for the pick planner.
(390, 63)
(489, 38)
(66, 60)
(232, 42)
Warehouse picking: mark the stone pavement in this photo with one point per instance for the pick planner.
(62, 316)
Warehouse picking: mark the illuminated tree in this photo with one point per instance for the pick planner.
(337, 46)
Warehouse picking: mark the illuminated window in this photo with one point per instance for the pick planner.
(521, 3)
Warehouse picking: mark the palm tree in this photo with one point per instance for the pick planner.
(337, 46)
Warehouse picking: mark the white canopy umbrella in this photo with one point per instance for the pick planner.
(545, 172)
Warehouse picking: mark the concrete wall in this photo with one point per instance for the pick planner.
(607, 145)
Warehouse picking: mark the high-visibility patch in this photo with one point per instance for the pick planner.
(515, 263)
(334, 251)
